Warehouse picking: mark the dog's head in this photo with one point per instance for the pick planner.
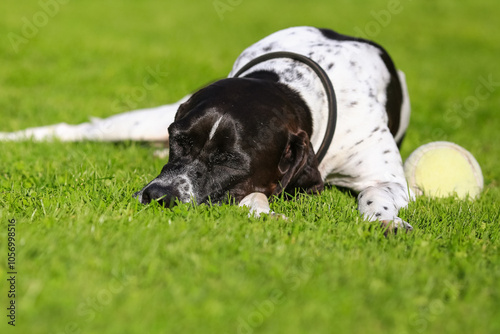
(235, 137)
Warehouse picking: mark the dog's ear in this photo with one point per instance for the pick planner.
(298, 166)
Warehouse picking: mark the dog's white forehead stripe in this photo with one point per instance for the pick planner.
(214, 128)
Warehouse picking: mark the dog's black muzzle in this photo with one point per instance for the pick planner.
(165, 196)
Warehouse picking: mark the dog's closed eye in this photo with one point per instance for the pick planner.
(181, 144)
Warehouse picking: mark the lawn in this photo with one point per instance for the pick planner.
(90, 259)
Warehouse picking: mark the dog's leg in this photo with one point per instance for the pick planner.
(387, 191)
(382, 184)
(139, 125)
(375, 171)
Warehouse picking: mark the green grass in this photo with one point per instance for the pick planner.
(90, 259)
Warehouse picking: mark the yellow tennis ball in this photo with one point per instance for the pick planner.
(442, 169)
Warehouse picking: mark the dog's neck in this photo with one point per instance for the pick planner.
(302, 80)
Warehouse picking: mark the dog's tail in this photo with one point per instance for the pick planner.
(404, 119)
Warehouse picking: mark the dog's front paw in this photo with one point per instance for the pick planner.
(395, 225)
(258, 204)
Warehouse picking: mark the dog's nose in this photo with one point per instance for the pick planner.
(166, 196)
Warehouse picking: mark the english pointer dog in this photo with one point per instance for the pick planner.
(259, 132)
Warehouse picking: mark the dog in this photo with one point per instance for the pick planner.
(253, 136)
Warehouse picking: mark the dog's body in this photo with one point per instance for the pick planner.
(259, 133)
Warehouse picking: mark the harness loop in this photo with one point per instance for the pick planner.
(327, 85)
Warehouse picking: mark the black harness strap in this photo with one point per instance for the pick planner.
(327, 85)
